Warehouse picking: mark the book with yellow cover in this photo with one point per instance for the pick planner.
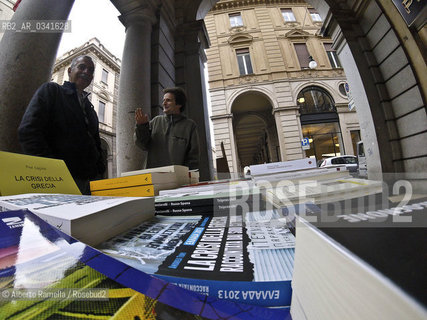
(137, 191)
(135, 180)
(29, 174)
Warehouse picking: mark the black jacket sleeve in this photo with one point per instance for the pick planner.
(33, 130)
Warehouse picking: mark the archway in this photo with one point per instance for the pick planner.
(254, 129)
(319, 122)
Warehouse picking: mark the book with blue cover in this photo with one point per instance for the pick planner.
(46, 274)
(246, 258)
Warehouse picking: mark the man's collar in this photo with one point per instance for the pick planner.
(174, 117)
(70, 88)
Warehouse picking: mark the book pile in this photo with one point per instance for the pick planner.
(226, 185)
(142, 183)
(362, 264)
(321, 191)
(90, 219)
(276, 179)
(210, 202)
(244, 258)
(45, 274)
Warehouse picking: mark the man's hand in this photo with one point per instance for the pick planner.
(140, 117)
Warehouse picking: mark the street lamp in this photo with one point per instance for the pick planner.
(312, 64)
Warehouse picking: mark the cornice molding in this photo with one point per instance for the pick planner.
(93, 47)
(222, 116)
(232, 4)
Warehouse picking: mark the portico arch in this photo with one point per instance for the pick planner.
(254, 129)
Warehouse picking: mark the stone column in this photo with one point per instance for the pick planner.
(134, 86)
(26, 61)
(190, 42)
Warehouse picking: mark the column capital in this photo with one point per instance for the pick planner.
(287, 108)
(140, 15)
(195, 31)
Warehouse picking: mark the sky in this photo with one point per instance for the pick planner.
(94, 18)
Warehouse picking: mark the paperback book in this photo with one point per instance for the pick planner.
(371, 257)
(290, 192)
(182, 173)
(46, 274)
(279, 167)
(146, 184)
(90, 219)
(246, 259)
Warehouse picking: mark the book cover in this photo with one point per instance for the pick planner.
(276, 167)
(90, 219)
(24, 174)
(45, 274)
(245, 260)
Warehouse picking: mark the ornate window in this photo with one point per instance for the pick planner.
(332, 55)
(302, 54)
(101, 111)
(235, 20)
(244, 61)
(104, 77)
(288, 15)
(314, 15)
(315, 100)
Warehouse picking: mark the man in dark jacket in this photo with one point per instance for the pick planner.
(60, 123)
(170, 138)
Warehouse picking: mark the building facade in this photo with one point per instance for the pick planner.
(267, 96)
(104, 91)
(380, 44)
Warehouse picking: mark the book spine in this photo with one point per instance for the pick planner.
(195, 210)
(141, 191)
(121, 182)
(205, 202)
(263, 293)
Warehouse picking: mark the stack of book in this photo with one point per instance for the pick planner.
(362, 264)
(226, 185)
(90, 219)
(141, 183)
(321, 191)
(273, 180)
(210, 203)
(45, 274)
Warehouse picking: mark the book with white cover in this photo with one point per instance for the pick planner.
(321, 191)
(181, 172)
(285, 166)
(245, 185)
(270, 180)
(362, 264)
(90, 219)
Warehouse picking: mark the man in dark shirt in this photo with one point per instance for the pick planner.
(60, 123)
(170, 138)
